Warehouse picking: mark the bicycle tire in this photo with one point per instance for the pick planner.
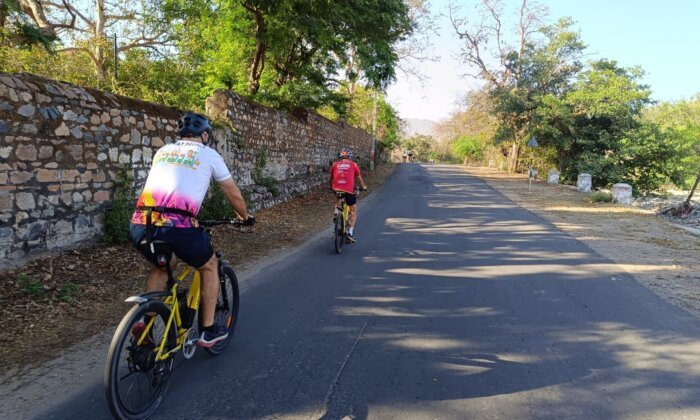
(222, 315)
(138, 362)
(339, 233)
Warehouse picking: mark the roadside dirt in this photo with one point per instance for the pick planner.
(662, 256)
(55, 301)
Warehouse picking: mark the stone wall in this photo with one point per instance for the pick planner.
(62, 146)
(298, 149)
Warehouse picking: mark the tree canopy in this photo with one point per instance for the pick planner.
(283, 53)
(588, 117)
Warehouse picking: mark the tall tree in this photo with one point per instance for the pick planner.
(301, 48)
(542, 60)
(386, 121)
(83, 25)
(682, 119)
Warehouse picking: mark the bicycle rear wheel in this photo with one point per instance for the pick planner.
(339, 233)
(135, 382)
(226, 307)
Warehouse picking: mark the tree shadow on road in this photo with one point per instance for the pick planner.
(454, 304)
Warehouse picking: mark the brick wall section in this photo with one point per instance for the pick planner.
(61, 147)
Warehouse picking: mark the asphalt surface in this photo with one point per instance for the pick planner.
(454, 303)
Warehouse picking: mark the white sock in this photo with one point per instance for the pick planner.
(351, 229)
(336, 211)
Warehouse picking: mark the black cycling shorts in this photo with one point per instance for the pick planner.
(191, 245)
(350, 199)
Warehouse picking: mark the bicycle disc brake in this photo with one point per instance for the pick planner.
(190, 344)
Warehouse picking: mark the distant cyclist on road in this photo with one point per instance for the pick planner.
(167, 209)
(342, 180)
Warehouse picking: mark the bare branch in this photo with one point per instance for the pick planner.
(495, 9)
(472, 53)
(143, 41)
(68, 8)
(530, 21)
(35, 9)
(69, 49)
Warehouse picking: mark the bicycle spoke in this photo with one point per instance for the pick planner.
(127, 375)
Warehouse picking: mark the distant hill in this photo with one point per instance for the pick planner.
(413, 126)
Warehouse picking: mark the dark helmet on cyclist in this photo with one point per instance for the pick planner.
(193, 125)
(345, 153)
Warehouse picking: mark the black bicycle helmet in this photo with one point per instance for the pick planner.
(192, 124)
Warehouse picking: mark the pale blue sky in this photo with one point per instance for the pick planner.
(661, 36)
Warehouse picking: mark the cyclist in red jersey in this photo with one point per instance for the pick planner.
(343, 173)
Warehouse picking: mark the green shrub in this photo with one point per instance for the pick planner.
(67, 292)
(31, 286)
(601, 197)
(118, 212)
(215, 206)
(257, 174)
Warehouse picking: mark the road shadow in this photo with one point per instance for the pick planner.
(455, 303)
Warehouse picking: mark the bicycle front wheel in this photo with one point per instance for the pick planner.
(339, 235)
(135, 382)
(226, 307)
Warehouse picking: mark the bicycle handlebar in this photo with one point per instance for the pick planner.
(212, 223)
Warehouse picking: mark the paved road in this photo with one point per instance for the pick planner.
(455, 303)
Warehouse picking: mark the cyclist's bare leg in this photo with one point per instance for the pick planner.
(210, 290)
(158, 277)
(353, 215)
(337, 204)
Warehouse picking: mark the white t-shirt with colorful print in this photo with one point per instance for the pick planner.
(179, 178)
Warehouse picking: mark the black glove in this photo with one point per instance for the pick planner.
(250, 221)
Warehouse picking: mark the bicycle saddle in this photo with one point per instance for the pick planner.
(160, 252)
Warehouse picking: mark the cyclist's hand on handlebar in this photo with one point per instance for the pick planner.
(250, 221)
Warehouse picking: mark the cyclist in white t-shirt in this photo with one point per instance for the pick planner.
(167, 210)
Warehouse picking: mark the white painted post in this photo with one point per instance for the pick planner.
(553, 177)
(583, 183)
(622, 193)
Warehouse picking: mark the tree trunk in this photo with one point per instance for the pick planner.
(99, 34)
(35, 10)
(513, 158)
(3, 19)
(258, 64)
(692, 191)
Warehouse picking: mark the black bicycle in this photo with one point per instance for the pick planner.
(340, 230)
(158, 327)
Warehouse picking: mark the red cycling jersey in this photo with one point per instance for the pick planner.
(343, 173)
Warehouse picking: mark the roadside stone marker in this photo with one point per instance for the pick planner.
(583, 183)
(553, 177)
(622, 193)
(492, 163)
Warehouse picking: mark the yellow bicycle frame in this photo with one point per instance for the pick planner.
(346, 215)
(175, 317)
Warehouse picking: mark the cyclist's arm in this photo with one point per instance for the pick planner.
(330, 176)
(359, 176)
(234, 196)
